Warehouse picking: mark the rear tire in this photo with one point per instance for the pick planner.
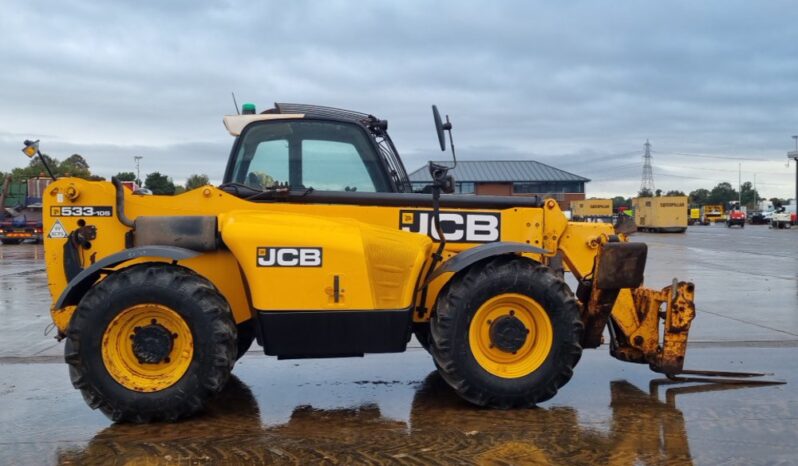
(507, 289)
(151, 342)
(10, 241)
(421, 330)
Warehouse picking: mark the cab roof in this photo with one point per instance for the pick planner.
(283, 111)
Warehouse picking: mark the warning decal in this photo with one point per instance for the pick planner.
(57, 231)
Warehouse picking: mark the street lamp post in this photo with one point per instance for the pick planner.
(794, 155)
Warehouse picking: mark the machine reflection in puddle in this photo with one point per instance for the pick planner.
(642, 429)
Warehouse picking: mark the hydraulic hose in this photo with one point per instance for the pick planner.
(120, 203)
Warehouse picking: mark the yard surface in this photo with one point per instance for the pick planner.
(395, 409)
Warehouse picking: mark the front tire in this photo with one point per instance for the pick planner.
(506, 333)
(246, 336)
(151, 342)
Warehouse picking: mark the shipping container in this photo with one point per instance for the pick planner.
(592, 209)
(661, 214)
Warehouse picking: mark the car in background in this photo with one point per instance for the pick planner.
(736, 215)
(781, 219)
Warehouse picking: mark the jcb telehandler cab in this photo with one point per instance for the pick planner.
(315, 246)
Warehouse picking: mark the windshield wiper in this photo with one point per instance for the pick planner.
(249, 193)
(275, 191)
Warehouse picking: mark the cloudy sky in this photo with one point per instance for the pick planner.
(579, 85)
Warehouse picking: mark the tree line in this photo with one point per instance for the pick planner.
(76, 166)
(723, 193)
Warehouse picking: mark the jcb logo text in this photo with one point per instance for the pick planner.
(458, 227)
(289, 257)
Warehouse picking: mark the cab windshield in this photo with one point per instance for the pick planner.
(323, 155)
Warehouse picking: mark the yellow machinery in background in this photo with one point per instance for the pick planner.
(712, 213)
(694, 216)
(315, 246)
(592, 210)
(665, 214)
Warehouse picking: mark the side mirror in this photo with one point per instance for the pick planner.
(440, 127)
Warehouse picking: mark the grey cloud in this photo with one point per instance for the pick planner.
(572, 84)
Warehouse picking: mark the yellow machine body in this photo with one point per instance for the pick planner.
(377, 262)
(377, 265)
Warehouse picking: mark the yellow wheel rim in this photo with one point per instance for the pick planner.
(124, 363)
(495, 357)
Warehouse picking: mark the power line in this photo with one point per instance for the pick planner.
(708, 156)
(712, 179)
(722, 170)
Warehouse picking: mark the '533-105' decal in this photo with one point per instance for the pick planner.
(81, 211)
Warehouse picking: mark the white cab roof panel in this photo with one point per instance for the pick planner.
(236, 123)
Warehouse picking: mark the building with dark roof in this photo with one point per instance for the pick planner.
(510, 178)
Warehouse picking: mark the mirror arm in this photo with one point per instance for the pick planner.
(448, 128)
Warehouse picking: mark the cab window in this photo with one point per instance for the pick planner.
(325, 156)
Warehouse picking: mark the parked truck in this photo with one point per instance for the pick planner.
(781, 218)
(21, 216)
(17, 227)
(666, 214)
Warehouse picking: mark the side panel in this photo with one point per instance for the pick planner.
(305, 262)
(62, 215)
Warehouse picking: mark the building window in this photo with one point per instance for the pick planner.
(418, 186)
(526, 188)
(548, 187)
(460, 187)
(464, 187)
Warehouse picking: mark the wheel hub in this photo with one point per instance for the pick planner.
(152, 344)
(508, 333)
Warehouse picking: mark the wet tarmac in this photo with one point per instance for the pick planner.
(395, 409)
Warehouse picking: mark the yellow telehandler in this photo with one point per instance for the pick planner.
(315, 246)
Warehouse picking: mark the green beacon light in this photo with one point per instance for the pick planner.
(248, 109)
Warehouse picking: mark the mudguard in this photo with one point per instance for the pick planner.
(473, 255)
(79, 285)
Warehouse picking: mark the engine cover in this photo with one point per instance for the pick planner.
(305, 262)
